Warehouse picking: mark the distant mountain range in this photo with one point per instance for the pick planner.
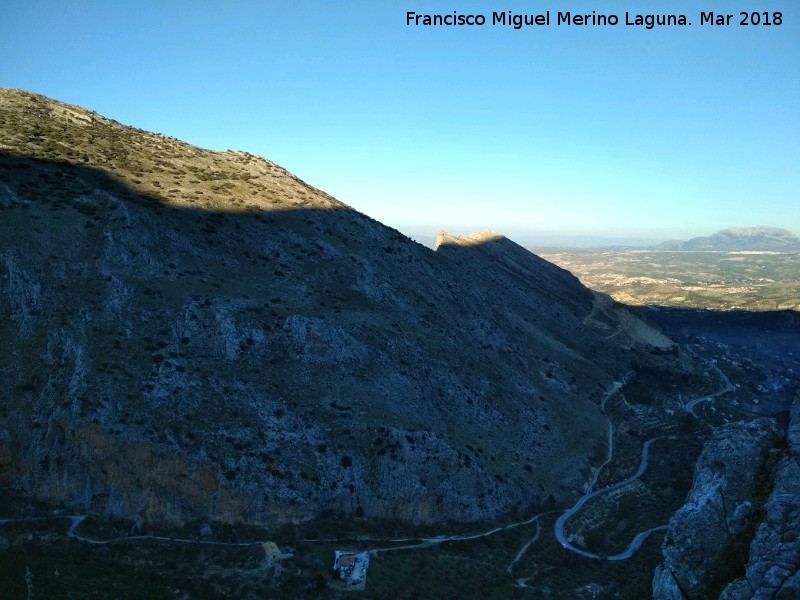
(740, 238)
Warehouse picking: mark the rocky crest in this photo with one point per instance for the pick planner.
(736, 537)
(188, 334)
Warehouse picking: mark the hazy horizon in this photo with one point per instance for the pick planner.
(620, 132)
(567, 238)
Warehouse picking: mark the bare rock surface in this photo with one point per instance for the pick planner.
(707, 539)
(738, 535)
(773, 568)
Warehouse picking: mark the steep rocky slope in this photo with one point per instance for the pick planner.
(193, 334)
(736, 538)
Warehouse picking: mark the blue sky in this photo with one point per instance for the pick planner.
(615, 131)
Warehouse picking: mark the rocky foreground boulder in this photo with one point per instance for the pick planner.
(736, 538)
(773, 568)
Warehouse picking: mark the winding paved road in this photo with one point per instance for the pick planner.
(637, 541)
(76, 520)
(689, 407)
(610, 454)
(432, 541)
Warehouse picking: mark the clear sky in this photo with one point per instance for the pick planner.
(592, 130)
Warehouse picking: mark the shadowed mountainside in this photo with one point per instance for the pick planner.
(194, 334)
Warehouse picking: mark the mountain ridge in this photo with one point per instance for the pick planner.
(756, 238)
(199, 335)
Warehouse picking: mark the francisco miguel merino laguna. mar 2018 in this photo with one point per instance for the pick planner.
(567, 18)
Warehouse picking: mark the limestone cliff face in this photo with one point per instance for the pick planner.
(736, 537)
(194, 334)
(773, 566)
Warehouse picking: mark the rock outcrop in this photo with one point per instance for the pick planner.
(773, 568)
(707, 538)
(736, 538)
